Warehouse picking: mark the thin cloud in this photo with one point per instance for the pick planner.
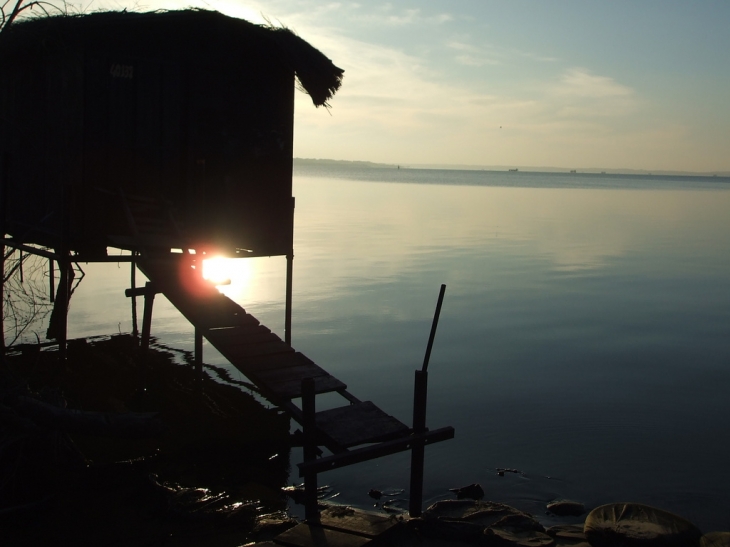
(579, 82)
(470, 55)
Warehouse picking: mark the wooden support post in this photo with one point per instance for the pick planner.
(133, 282)
(149, 300)
(64, 264)
(289, 281)
(418, 450)
(289, 284)
(52, 279)
(2, 293)
(311, 509)
(199, 360)
(3, 214)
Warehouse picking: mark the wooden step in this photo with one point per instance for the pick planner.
(357, 424)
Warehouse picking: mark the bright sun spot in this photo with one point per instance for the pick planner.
(218, 270)
(225, 271)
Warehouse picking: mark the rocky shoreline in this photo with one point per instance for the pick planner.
(611, 525)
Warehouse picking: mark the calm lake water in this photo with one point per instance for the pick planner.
(584, 338)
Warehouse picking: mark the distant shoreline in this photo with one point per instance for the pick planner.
(532, 169)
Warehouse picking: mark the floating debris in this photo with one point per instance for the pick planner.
(473, 492)
(375, 494)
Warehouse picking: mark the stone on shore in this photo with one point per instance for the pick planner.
(715, 539)
(522, 530)
(637, 525)
(566, 508)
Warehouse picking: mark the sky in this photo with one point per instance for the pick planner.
(566, 83)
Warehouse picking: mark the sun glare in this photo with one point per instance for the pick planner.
(218, 270)
(233, 273)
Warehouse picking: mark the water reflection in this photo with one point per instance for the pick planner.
(584, 335)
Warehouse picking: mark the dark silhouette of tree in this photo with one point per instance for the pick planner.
(10, 10)
(25, 294)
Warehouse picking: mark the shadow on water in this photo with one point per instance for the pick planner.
(92, 467)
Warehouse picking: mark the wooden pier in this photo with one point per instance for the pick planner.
(355, 432)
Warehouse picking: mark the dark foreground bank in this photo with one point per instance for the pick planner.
(118, 447)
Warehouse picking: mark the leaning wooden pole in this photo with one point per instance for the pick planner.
(420, 400)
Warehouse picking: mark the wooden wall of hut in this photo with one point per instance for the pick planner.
(190, 110)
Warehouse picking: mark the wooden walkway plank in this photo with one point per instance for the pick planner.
(224, 333)
(239, 336)
(275, 361)
(292, 389)
(291, 373)
(358, 424)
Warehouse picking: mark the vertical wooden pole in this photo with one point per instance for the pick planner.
(2, 293)
(311, 510)
(64, 264)
(199, 359)
(149, 300)
(52, 279)
(287, 317)
(289, 281)
(133, 283)
(420, 393)
(3, 213)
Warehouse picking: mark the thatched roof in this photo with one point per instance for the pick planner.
(316, 74)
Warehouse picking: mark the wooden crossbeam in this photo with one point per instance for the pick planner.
(375, 451)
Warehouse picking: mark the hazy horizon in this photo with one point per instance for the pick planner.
(619, 85)
(526, 168)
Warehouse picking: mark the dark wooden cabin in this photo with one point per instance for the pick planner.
(152, 131)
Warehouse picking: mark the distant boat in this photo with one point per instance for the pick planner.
(573, 171)
(603, 172)
(513, 170)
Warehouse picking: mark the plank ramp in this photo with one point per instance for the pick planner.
(275, 368)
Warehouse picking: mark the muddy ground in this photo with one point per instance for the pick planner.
(217, 467)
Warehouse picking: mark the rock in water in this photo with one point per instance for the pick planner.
(636, 525)
(472, 492)
(566, 508)
(715, 539)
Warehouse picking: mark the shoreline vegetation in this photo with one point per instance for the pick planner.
(317, 162)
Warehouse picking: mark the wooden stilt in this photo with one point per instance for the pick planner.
(149, 300)
(64, 265)
(52, 279)
(289, 285)
(2, 293)
(133, 284)
(199, 359)
(3, 211)
(289, 281)
(417, 451)
(311, 510)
